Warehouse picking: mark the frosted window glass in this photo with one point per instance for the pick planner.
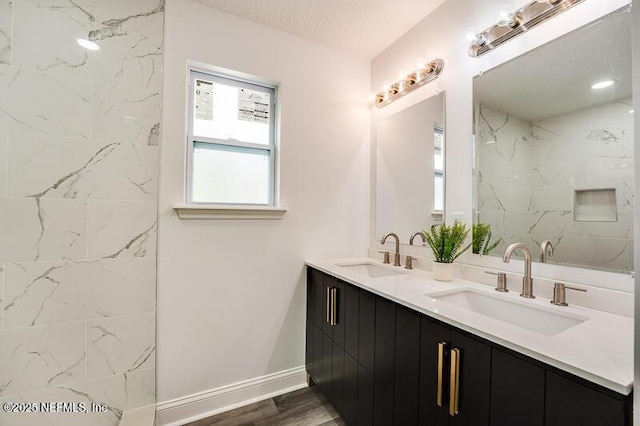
(438, 192)
(230, 175)
(225, 120)
(438, 165)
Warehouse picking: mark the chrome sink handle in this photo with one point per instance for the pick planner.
(560, 294)
(501, 285)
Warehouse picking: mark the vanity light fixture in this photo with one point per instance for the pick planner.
(511, 25)
(87, 44)
(421, 76)
(603, 84)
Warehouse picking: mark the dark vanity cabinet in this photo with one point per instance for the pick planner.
(381, 363)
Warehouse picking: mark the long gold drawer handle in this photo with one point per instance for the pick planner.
(328, 305)
(442, 347)
(454, 384)
(334, 306)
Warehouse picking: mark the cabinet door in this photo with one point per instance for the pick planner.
(316, 285)
(366, 329)
(308, 353)
(339, 305)
(316, 362)
(351, 314)
(326, 364)
(407, 367)
(517, 391)
(571, 403)
(384, 359)
(475, 381)
(431, 334)
(350, 395)
(365, 397)
(337, 378)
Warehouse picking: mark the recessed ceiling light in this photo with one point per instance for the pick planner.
(603, 84)
(630, 111)
(87, 44)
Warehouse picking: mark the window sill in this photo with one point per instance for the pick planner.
(220, 212)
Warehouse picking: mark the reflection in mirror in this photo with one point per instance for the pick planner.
(554, 153)
(410, 175)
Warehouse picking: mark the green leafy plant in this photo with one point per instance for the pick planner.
(447, 242)
(481, 239)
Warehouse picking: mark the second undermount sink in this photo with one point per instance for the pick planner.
(372, 270)
(533, 318)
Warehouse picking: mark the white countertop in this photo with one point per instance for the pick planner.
(599, 349)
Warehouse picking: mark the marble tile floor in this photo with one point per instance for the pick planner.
(304, 407)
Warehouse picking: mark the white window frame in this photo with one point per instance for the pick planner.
(202, 210)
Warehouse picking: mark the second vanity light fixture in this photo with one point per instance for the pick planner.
(421, 76)
(515, 23)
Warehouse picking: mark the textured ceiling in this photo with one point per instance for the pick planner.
(361, 27)
(557, 77)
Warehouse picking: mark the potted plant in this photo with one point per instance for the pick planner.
(447, 244)
(481, 239)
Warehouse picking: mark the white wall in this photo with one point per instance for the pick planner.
(231, 295)
(442, 35)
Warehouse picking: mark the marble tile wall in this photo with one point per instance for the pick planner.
(79, 134)
(586, 149)
(530, 170)
(503, 144)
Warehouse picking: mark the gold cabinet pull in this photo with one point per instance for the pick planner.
(442, 348)
(328, 303)
(454, 384)
(334, 306)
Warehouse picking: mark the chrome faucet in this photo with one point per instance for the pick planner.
(410, 259)
(396, 255)
(418, 234)
(547, 251)
(527, 281)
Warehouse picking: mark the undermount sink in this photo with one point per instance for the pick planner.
(532, 318)
(371, 270)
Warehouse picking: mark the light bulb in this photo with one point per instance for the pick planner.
(603, 84)
(87, 44)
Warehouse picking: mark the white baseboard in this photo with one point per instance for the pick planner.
(208, 403)
(143, 416)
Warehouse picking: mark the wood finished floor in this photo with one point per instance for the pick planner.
(304, 407)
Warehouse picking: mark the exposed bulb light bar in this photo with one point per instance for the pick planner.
(87, 44)
(511, 25)
(421, 76)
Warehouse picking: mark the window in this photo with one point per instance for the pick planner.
(438, 166)
(231, 141)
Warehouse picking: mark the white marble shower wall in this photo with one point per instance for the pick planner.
(587, 149)
(529, 172)
(78, 191)
(504, 178)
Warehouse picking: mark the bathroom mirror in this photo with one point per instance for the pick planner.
(554, 151)
(410, 169)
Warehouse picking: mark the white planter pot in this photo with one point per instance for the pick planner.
(443, 271)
